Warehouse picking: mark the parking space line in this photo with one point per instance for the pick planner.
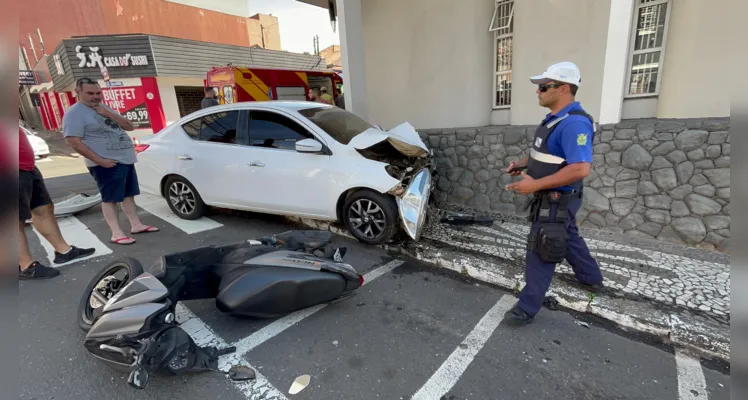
(691, 381)
(259, 388)
(452, 369)
(75, 233)
(157, 206)
(259, 337)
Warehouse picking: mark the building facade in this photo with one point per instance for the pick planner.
(153, 80)
(654, 75)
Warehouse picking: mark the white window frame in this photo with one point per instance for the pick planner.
(496, 37)
(633, 53)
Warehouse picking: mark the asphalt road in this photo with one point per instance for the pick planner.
(413, 328)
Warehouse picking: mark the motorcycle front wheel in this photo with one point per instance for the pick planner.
(104, 286)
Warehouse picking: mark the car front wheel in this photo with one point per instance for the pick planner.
(183, 198)
(370, 217)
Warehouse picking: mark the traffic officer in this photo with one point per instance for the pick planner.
(559, 160)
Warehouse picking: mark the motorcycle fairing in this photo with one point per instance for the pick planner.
(145, 288)
(125, 321)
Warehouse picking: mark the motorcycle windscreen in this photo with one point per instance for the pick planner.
(414, 202)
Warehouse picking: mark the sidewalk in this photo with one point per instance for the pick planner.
(676, 293)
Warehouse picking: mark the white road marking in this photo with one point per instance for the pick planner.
(157, 206)
(75, 233)
(259, 337)
(691, 381)
(452, 369)
(259, 388)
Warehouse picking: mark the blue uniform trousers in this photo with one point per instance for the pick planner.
(538, 273)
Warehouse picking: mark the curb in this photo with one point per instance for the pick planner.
(695, 333)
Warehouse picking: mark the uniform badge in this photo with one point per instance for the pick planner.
(581, 139)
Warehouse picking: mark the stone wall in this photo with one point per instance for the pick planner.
(658, 179)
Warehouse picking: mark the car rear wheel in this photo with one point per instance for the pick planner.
(183, 198)
(370, 217)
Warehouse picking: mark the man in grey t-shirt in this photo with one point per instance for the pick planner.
(96, 132)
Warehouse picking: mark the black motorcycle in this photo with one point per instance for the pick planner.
(130, 321)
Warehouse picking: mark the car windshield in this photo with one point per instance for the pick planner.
(340, 124)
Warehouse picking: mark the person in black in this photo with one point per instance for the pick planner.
(559, 160)
(210, 98)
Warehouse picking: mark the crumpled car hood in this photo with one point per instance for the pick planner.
(403, 137)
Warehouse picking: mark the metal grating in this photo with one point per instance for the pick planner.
(648, 43)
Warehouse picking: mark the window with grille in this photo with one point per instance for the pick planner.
(648, 47)
(502, 26)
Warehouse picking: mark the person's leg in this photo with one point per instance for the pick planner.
(109, 181)
(28, 268)
(132, 189)
(586, 269)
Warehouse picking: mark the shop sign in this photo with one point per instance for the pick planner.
(92, 58)
(26, 77)
(130, 102)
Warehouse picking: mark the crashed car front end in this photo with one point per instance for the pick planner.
(409, 161)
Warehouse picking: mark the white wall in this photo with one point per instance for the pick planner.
(428, 62)
(551, 31)
(169, 96)
(695, 72)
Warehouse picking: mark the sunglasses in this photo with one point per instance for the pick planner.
(545, 86)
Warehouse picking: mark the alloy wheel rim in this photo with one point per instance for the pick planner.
(182, 197)
(367, 218)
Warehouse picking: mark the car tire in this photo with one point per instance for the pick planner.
(133, 268)
(193, 206)
(381, 207)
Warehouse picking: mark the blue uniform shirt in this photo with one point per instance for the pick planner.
(572, 137)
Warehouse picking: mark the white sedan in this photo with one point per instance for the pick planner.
(292, 158)
(39, 145)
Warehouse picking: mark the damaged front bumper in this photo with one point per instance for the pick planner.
(413, 203)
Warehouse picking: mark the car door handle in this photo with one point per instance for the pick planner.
(256, 164)
(184, 157)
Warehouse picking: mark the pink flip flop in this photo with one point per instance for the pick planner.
(124, 240)
(146, 230)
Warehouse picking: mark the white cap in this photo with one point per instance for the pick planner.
(562, 72)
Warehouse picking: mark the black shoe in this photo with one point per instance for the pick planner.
(37, 271)
(517, 317)
(72, 254)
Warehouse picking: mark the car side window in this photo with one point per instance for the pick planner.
(220, 127)
(193, 128)
(268, 129)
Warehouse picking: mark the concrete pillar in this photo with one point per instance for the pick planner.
(352, 54)
(616, 71)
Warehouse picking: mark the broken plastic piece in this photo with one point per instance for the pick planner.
(299, 384)
(241, 373)
(550, 303)
(227, 350)
(584, 324)
(463, 219)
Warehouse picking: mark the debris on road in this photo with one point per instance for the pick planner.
(584, 324)
(453, 218)
(299, 384)
(550, 303)
(241, 373)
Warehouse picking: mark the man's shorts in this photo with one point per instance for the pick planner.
(32, 192)
(116, 183)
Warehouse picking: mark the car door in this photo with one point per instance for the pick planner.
(215, 159)
(287, 181)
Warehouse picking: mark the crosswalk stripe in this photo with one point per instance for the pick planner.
(259, 388)
(452, 369)
(75, 233)
(157, 206)
(259, 337)
(691, 381)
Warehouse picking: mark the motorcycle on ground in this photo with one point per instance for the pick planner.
(130, 321)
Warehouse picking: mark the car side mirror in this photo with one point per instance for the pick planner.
(308, 146)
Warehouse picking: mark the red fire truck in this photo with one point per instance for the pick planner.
(237, 84)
